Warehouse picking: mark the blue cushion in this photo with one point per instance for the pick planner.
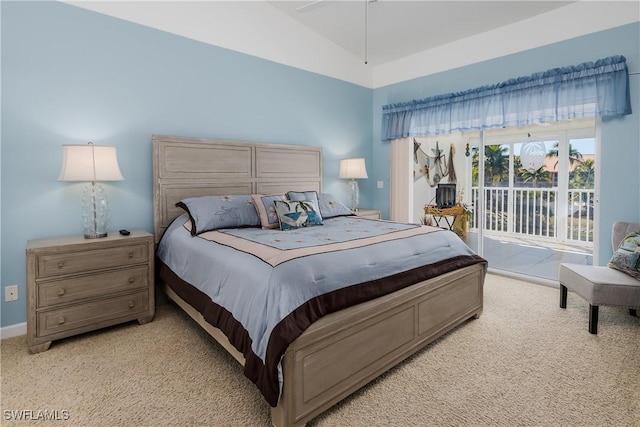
(212, 212)
(266, 209)
(330, 206)
(296, 214)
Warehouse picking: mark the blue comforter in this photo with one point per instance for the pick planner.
(259, 279)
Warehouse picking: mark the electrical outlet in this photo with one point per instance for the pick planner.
(11, 293)
(380, 184)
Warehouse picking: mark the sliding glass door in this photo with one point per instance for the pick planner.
(534, 209)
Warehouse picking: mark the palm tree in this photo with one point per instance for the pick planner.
(496, 163)
(538, 175)
(517, 163)
(574, 155)
(583, 175)
(517, 170)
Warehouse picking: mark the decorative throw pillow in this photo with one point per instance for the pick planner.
(296, 214)
(266, 209)
(330, 206)
(213, 212)
(298, 196)
(627, 257)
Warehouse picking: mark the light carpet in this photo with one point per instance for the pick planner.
(524, 362)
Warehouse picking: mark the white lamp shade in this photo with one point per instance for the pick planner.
(90, 163)
(353, 169)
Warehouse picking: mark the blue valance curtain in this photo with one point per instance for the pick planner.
(591, 89)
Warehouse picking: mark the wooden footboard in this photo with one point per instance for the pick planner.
(344, 351)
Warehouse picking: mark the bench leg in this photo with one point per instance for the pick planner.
(563, 296)
(593, 319)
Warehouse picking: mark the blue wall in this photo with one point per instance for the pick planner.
(620, 157)
(70, 76)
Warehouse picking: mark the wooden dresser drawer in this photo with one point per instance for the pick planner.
(75, 262)
(76, 285)
(56, 292)
(92, 313)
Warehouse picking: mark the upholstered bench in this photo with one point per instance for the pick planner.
(602, 285)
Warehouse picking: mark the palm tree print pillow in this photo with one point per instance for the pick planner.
(296, 214)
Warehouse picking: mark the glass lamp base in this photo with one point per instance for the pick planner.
(95, 236)
(95, 213)
(354, 195)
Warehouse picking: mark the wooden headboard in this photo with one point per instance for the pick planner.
(193, 167)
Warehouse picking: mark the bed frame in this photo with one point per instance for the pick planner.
(340, 352)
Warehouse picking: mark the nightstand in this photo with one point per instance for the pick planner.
(369, 213)
(76, 285)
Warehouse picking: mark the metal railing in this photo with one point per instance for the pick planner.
(535, 213)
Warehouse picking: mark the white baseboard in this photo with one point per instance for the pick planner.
(13, 330)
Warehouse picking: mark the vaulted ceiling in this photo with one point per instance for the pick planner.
(399, 39)
(395, 29)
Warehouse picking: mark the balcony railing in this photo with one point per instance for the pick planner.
(536, 213)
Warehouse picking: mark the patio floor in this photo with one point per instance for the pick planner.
(529, 257)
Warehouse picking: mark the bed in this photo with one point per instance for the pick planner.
(336, 347)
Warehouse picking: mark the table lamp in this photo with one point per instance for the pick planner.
(91, 163)
(353, 169)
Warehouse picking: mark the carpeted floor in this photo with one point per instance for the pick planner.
(524, 362)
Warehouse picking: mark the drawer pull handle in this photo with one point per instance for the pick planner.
(60, 292)
(131, 304)
(132, 279)
(60, 264)
(130, 254)
(60, 320)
